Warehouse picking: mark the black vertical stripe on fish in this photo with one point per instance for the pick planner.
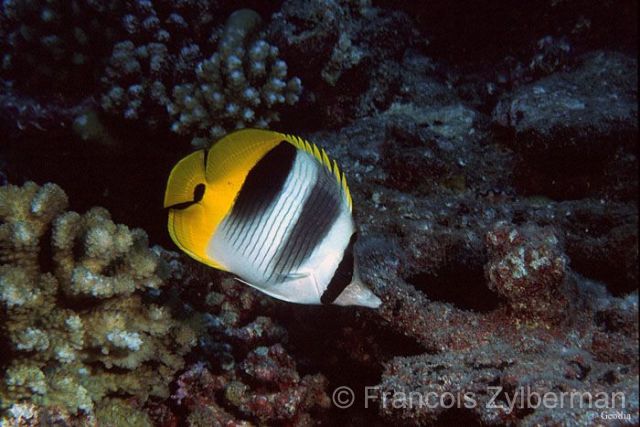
(290, 201)
(343, 275)
(319, 218)
(245, 217)
(266, 179)
(273, 218)
(262, 186)
(206, 157)
(319, 222)
(320, 210)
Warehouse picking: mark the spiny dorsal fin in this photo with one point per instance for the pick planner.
(321, 156)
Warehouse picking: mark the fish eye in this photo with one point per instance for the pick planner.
(198, 192)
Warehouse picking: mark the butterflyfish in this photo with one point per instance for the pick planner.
(275, 211)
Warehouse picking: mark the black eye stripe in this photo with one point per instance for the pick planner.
(198, 194)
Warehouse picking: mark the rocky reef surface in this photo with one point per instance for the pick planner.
(492, 154)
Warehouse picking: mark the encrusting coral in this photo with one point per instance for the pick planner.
(528, 268)
(237, 86)
(73, 317)
(266, 387)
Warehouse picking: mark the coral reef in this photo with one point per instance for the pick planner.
(249, 376)
(500, 385)
(491, 151)
(264, 387)
(541, 113)
(488, 282)
(74, 320)
(337, 36)
(238, 86)
(548, 338)
(573, 123)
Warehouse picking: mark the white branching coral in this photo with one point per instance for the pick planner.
(239, 86)
(136, 77)
(70, 355)
(124, 339)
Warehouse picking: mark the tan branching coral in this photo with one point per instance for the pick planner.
(107, 247)
(76, 324)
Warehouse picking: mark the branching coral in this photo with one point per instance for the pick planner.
(48, 44)
(136, 78)
(162, 42)
(75, 322)
(115, 261)
(237, 86)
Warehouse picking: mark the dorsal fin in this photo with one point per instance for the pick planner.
(321, 156)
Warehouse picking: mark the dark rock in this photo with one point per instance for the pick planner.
(340, 50)
(574, 131)
(568, 117)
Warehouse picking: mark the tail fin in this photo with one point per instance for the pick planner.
(357, 293)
